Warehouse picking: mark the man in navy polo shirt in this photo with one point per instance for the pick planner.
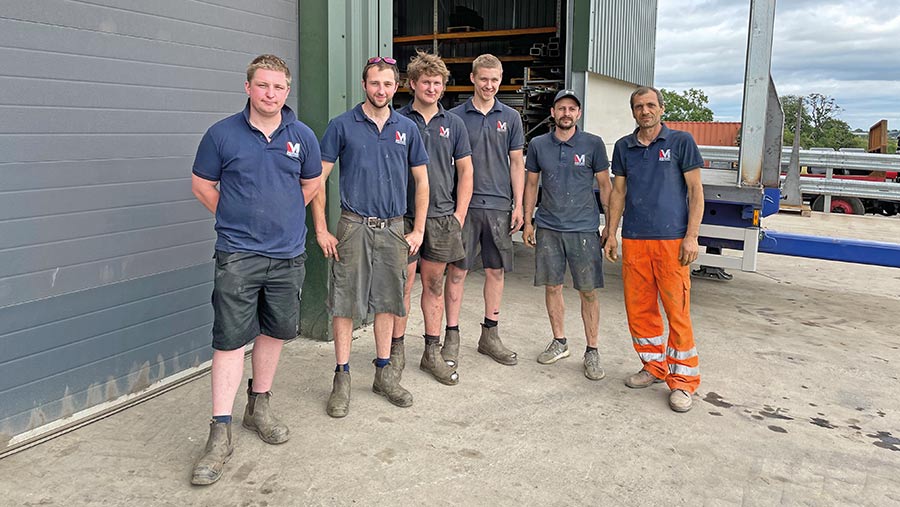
(658, 188)
(449, 157)
(568, 161)
(379, 150)
(495, 211)
(254, 170)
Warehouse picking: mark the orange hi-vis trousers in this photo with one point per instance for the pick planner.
(650, 270)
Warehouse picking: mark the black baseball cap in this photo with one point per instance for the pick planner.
(570, 94)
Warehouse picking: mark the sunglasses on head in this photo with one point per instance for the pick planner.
(386, 59)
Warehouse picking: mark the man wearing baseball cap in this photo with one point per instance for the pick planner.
(566, 229)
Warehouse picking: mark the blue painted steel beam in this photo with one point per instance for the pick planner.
(834, 249)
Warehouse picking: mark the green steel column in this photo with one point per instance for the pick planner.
(336, 38)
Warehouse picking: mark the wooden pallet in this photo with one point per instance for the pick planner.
(803, 210)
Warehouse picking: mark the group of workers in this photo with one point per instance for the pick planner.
(429, 188)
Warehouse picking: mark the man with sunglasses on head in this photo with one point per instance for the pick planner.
(379, 150)
(495, 211)
(450, 158)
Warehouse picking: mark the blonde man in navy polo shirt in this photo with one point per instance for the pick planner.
(566, 229)
(379, 151)
(658, 188)
(256, 171)
(495, 211)
(450, 158)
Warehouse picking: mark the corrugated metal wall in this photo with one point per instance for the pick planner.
(622, 40)
(105, 272)
(710, 133)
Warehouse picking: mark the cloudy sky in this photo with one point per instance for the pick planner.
(847, 49)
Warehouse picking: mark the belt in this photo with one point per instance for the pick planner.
(372, 222)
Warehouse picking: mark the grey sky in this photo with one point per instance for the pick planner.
(849, 50)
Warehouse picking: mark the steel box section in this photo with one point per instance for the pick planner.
(756, 90)
(834, 249)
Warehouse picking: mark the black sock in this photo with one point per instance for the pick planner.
(561, 340)
(452, 328)
(429, 339)
(382, 362)
(398, 339)
(222, 419)
(490, 323)
(589, 348)
(342, 367)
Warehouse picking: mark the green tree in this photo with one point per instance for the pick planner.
(819, 125)
(690, 105)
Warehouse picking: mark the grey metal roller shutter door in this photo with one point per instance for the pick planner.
(105, 256)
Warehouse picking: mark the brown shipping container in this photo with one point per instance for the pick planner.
(709, 133)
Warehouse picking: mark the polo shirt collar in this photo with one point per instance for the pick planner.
(360, 115)
(470, 106)
(409, 109)
(287, 115)
(572, 140)
(632, 140)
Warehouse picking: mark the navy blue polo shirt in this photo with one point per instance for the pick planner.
(261, 207)
(374, 165)
(656, 204)
(568, 171)
(446, 141)
(492, 136)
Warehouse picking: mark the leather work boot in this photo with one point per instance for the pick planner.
(433, 363)
(339, 401)
(218, 451)
(642, 379)
(680, 400)
(398, 357)
(490, 344)
(387, 384)
(258, 417)
(450, 350)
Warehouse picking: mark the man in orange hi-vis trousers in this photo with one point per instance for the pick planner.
(657, 186)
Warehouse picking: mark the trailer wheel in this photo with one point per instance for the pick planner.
(845, 205)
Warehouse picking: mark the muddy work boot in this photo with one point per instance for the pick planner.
(450, 350)
(398, 357)
(339, 401)
(490, 345)
(554, 352)
(433, 363)
(642, 379)
(387, 384)
(218, 451)
(680, 400)
(258, 417)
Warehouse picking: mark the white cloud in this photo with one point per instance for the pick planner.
(846, 49)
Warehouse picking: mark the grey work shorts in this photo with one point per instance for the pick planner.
(253, 295)
(442, 242)
(581, 250)
(371, 273)
(487, 232)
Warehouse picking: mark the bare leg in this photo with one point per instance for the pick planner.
(432, 295)
(590, 315)
(399, 326)
(227, 372)
(556, 309)
(456, 279)
(266, 351)
(343, 338)
(493, 292)
(384, 322)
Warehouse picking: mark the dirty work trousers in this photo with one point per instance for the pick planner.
(650, 269)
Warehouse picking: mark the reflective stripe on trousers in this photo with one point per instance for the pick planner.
(651, 273)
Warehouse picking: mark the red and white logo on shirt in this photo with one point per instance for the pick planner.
(501, 126)
(665, 155)
(580, 159)
(293, 150)
(445, 132)
(400, 137)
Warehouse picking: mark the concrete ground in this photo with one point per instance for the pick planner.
(798, 406)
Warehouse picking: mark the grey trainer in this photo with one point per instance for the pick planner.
(218, 451)
(592, 368)
(387, 384)
(554, 352)
(450, 350)
(339, 401)
(642, 379)
(680, 400)
(490, 345)
(258, 417)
